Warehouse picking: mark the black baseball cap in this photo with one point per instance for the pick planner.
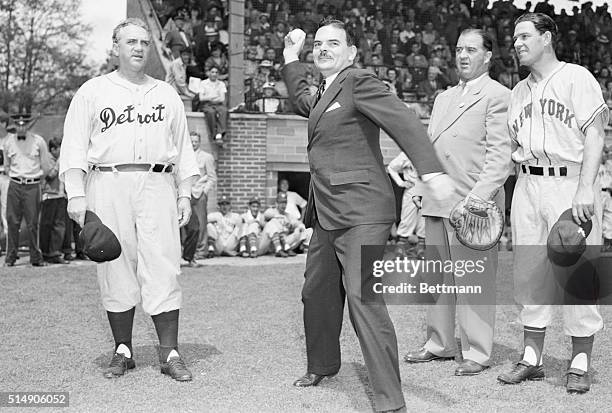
(100, 244)
(567, 240)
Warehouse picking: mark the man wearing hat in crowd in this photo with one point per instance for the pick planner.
(205, 36)
(223, 228)
(26, 161)
(177, 73)
(177, 40)
(268, 103)
(212, 95)
(126, 157)
(282, 230)
(253, 222)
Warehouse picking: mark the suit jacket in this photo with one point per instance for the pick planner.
(174, 38)
(470, 136)
(349, 184)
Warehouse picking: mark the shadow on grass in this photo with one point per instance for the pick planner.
(147, 356)
(411, 390)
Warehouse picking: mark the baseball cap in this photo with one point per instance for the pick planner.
(266, 63)
(281, 197)
(224, 199)
(99, 242)
(254, 200)
(567, 240)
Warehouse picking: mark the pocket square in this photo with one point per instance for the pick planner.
(334, 106)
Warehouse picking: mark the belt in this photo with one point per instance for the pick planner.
(25, 181)
(134, 167)
(544, 170)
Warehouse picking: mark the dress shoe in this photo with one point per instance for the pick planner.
(57, 260)
(522, 371)
(310, 379)
(118, 365)
(578, 381)
(39, 264)
(423, 356)
(175, 368)
(469, 368)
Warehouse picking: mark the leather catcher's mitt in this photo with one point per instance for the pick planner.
(478, 224)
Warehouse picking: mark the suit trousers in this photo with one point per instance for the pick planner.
(23, 202)
(333, 272)
(52, 226)
(73, 229)
(476, 322)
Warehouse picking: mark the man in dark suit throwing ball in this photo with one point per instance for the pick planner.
(351, 201)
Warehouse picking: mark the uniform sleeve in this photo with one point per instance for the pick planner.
(588, 100)
(185, 161)
(77, 130)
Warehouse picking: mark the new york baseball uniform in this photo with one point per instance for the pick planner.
(111, 122)
(410, 218)
(547, 122)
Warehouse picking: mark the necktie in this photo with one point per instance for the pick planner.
(320, 91)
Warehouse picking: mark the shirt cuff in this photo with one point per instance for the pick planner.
(290, 57)
(430, 176)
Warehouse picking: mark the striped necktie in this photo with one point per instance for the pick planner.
(320, 91)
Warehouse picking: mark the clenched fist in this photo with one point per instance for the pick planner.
(294, 41)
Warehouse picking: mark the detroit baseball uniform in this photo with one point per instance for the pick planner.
(224, 231)
(547, 122)
(281, 224)
(133, 124)
(252, 224)
(410, 217)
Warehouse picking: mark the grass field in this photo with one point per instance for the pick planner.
(242, 335)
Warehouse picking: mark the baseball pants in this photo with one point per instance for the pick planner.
(411, 220)
(537, 203)
(140, 208)
(224, 243)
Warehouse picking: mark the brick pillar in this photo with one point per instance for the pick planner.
(242, 161)
(271, 187)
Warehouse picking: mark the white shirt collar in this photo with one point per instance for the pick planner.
(472, 82)
(329, 80)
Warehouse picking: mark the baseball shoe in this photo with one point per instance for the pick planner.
(253, 253)
(469, 368)
(423, 356)
(310, 379)
(39, 264)
(245, 254)
(9, 263)
(82, 257)
(520, 372)
(578, 381)
(175, 368)
(281, 254)
(118, 365)
(68, 257)
(57, 260)
(291, 253)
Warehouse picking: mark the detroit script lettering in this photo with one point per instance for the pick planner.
(110, 118)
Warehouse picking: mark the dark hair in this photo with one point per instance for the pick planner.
(330, 21)
(487, 40)
(54, 143)
(542, 22)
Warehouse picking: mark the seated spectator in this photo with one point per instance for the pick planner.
(392, 81)
(223, 33)
(205, 37)
(416, 58)
(269, 103)
(217, 60)
(177, 40)
(177, 73)
(212, 95)
(430, 36)
(53, 210)
(295, 203)
(312, 87)
(264, 19)
(392, 55)
(277, 39)
(271, 56)
(253, 222)
(251, 64)
(261, 46)
(223, 229)
(281, 230)
(508, 77)
(428, 88)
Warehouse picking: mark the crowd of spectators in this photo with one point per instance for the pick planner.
(408, 44)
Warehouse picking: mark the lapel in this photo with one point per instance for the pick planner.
(456, 105)
(329, 95)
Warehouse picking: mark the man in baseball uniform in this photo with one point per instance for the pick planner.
(282, 232)
(127, 157)
(223, 228)
(411, 220)
(556, 119)
(253, 222)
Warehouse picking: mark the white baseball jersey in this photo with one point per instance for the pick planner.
(548, 119)
(401, 164)
(113, 121)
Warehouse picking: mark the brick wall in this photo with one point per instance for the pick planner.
(241, 162)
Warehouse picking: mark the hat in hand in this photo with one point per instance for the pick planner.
(567, 240)
(99, 242)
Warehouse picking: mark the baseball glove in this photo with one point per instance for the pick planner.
(478, 224)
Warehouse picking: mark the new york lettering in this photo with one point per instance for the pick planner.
(547, 107)
(110, 118)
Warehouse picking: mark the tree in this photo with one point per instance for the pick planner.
(42, 54)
